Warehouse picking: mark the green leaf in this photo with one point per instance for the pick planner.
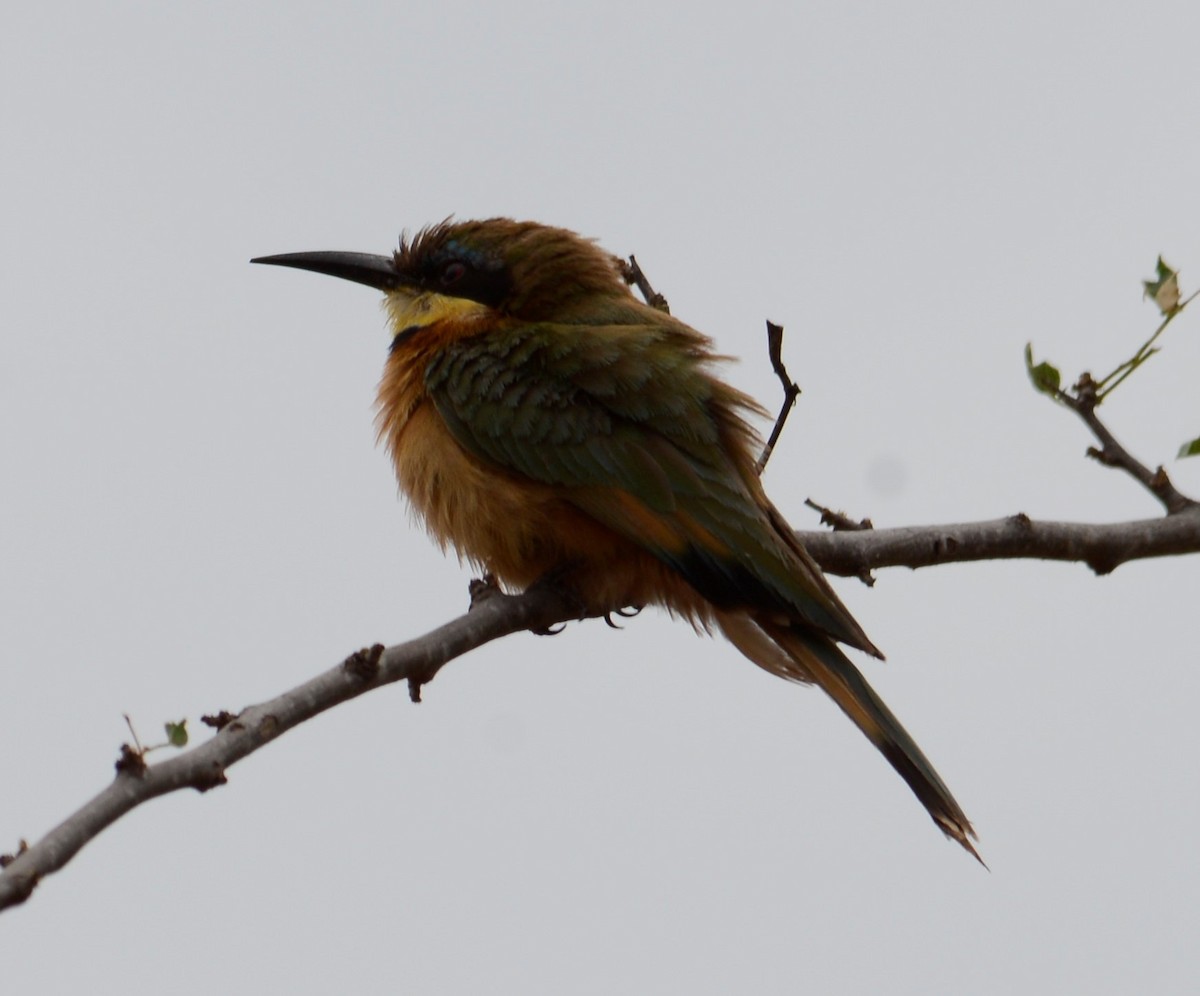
(1045, 376)
(177, 734)
(1190, 449)
(1165, 290)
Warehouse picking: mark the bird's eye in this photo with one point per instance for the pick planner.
(452, 273)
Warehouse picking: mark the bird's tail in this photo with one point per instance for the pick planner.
(807, 656)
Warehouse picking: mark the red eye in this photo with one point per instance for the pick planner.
(452, 273)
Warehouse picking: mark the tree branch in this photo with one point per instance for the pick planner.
(203, 767)
(853, 549)
(791, 391)
(493, 615)
(631, 273)
(1082, 399)
(1102, 546)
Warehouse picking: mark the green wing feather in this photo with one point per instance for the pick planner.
(589, 408)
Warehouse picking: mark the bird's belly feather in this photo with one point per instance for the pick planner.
(521, 530)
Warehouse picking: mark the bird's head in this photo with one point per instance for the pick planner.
(496, 267)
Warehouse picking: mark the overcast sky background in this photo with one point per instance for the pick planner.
(195, 515)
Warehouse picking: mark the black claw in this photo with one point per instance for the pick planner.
(627, 612)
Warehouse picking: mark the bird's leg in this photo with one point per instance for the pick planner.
(562, 580)
(558, 580)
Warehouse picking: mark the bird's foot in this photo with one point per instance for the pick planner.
(558, 581)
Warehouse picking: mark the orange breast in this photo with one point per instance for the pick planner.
(513, 527)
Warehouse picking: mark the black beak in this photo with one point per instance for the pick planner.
(361, 267)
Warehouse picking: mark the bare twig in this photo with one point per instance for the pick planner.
(791, 391)
(839, 521)
(632, 274)
(1082, 400)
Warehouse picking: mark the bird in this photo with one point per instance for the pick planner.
(550, 426)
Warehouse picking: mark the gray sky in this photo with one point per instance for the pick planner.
(195, 515)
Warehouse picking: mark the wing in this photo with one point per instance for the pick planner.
(629, 423)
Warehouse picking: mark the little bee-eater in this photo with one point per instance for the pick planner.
(545, 422)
